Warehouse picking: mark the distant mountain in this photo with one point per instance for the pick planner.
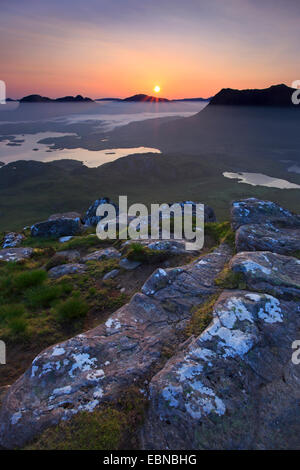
(108, 99)
(276, 95)
(145, 98)
(194, 99)
(64, 99)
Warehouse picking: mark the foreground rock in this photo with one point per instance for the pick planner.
(235, 386)
(256, 211)
(94, 367)
(269, 272)
(12, 240)
(265, 226)
(66, 270)
(267, 238)
(168, 246)
(106, 253)
(15, 254)
(57, 226)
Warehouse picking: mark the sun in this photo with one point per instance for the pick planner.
(156, 89)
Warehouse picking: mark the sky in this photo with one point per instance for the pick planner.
(116, 48)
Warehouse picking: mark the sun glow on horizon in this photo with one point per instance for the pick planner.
(156, 89)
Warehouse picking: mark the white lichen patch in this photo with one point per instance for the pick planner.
(254, 297)
(113, 324)
(57, 351)
(61, 391)
(188, 370)
(233, 309)
(171, 394)
(202, 353)
(253, 267)
(95, 374)
(202, 400)
(234, 342)
(271, 312)
(82, 362)
(16, 417)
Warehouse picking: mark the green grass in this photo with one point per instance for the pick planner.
(228, 279)
(56, 260)
(43, 296)
(10, 311)
(29, 279)
(221, 232)
(201, 317)
(143, 254)
(73, 308)
(100, 430)
(110, 427)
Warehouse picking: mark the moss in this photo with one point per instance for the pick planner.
(111, 427)
(29, 279)
(201, 317)
(229, 279)
(73, 308)
(100, 430)
(56, 260)
(296, 254)
(43, 296)
(87, 241)
(221, 232)
(143, 254)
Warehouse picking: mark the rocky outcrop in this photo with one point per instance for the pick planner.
(12, 240)
(268, 272)
(265, 226)
(96, 366)
(66, 270)
(108, 253)
(58, 225)
(15, 254)
(235, 386)
(258, 237)
(256, 211)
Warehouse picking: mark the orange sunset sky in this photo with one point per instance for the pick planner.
(116, 48)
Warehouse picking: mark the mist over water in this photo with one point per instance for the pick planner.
(24, 128)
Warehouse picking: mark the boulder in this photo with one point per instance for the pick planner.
(266, 237)
(234, 386)
(95, 367)
(172, 247)
(111, 274)
(90, 218)
(66, 270)
(106, 253)
(12, 240)
(57, 226)
(128, 264)
(15, 254)
(269, 272)
(70, 255)
(256, 211)
(65, 239)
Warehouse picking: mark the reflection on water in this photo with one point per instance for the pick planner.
(258, 179)
(28, 147)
